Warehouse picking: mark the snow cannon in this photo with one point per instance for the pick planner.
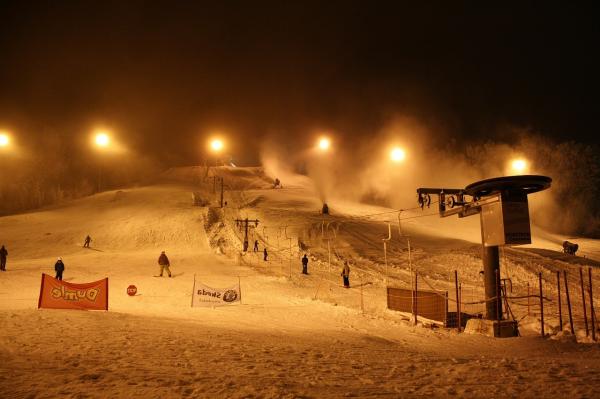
(502, 204)
(570, 247)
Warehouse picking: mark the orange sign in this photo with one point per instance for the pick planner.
(58, 294)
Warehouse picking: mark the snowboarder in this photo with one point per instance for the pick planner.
(255, 245)
(346, 275)
(3, 255)
(59, 268)
(164, 263)
(88, 239)
(265, 254)
(304, 264)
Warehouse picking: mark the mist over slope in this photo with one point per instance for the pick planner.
(361, 169)
(285, 318)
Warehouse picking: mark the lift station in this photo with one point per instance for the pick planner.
(504, 212)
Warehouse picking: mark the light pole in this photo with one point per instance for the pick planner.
(102, 141)
(216, 146)
(324, 144)
(4, 139)
(519, 165)
(397, 154)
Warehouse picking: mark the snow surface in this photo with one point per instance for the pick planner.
(293, 335)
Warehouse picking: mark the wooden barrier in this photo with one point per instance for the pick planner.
(433, 305)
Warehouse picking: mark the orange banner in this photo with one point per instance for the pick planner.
(58, 294)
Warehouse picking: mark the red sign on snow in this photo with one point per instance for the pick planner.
(131, 290)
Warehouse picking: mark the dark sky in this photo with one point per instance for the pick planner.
(163, 74)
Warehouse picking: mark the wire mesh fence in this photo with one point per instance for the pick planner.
(280, 249)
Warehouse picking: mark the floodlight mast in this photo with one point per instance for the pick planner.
(503, 208)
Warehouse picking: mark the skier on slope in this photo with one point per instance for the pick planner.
(59, 268)
(346, 274)
(164, 263)
(304, 264)
(88, 239)
(3, 255)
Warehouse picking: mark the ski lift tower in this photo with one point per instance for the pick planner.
(504, 212)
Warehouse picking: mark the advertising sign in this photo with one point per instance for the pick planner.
(58, 294)
(204, 295)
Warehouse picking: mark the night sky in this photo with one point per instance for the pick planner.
(163, 75)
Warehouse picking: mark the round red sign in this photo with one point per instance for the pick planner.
(131, 290)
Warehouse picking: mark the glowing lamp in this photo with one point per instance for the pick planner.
(324, 144)
(102, 140)
(519, 165)
(216, 145)
(397, 154)
(4, 140)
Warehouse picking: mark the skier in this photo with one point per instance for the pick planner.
(325, 210)
(59, 267)
(245, 245)
(164, 263)
(346, 274)
(3, 255)
(255, 245)
(88, 239)
(304, 264)
(265, 254)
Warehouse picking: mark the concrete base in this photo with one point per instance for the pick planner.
(493, 328)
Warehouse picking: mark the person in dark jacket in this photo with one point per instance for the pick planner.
(164, 263)
(59, 267)
(3, 255)
(88, 239)
(265, 254)
(346, 275)
(304, 264)
(255, 245)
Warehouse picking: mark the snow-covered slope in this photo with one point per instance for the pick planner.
(293, 335)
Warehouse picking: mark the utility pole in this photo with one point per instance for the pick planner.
(385, 241)
(245, 223)
(214, 189)
(221, 192)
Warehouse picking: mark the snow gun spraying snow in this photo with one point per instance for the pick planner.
(570, 247)
(503, 208)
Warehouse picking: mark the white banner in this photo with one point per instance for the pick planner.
(204, 295)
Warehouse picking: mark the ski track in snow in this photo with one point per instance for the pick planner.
(280, 343)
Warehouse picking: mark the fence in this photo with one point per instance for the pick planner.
(431, 305)
(524, 296)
